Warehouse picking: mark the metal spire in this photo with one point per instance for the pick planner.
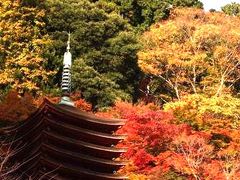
(66, 76)
(68, 43)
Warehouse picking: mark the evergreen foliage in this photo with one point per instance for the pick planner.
(143, 13)
(105, 43)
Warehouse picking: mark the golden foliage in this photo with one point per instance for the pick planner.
(21, 45)
(193, 52)
(211, 113)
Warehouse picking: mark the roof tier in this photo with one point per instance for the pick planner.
(62, 142)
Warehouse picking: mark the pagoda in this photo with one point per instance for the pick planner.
(59, 141)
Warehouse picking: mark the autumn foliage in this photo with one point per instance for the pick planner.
(193, 52)
(191, 63)
(22, 41)
(159, 148)
(15, 108)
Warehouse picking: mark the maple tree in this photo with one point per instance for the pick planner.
(193, 52)
(218, 116)
(161, 148)
(207, 113)
(193, 151)
(150, 133)
(14, 108)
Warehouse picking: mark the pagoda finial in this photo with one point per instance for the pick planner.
(68, 43)
(66, 76)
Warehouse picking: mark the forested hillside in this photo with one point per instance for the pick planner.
(104, 43)
(168, 67)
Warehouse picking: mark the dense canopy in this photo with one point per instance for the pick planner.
(193, 52)
(168, 67)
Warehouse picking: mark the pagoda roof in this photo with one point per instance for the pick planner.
(63, 142)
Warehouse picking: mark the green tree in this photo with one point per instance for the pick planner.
(143, 13)
(103, 44)
(212, 10)
(187, 3)
(232, 9)
(95, 87)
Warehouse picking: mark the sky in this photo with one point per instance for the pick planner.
(216, 4)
